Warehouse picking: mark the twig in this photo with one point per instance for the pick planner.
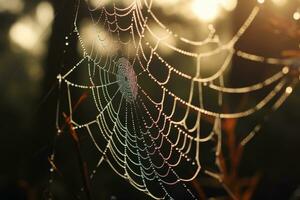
(82, 164)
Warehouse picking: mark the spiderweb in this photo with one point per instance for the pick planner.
(147, 115)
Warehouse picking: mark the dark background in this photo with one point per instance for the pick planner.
(27, 117)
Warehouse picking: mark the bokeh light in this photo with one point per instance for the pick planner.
(296, 15)
(279, 2)
(13, 6)
(261, 1)
(229, 5)
(96, 37)
(28, 32)
(209, 10)
(206, 10)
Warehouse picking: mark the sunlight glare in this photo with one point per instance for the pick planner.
(206, 10)
(279, 2)
(229, 5)
(261, 1)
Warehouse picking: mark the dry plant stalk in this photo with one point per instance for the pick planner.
(76, 141)
(242, 188)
